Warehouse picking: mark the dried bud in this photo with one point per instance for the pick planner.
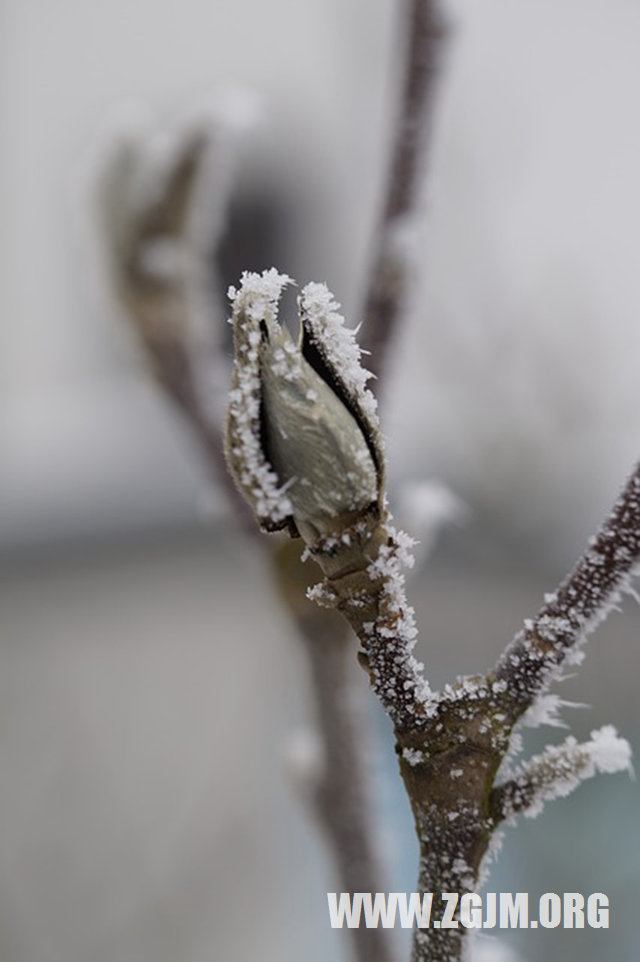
(302, 442)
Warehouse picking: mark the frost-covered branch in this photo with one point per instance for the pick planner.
(558, 770)
(390, 274)
(304, 447)
(579, 605)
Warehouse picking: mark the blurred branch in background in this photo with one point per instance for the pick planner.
(390, 275)
(162, 272)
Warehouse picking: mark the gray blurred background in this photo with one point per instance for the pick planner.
(149, 677)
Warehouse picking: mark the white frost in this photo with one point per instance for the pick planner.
(545, 710)
(559, 769)
(256, 300)
(320, 313)
(609, 752)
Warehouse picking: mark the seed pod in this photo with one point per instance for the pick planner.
(303, 442)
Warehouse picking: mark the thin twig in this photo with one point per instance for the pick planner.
(558, 770)
(389, 277)
(582, 601)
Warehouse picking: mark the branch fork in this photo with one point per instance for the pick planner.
(330, 479)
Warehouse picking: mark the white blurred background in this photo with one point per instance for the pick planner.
(149, 678)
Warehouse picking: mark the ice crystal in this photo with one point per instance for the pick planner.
(413, 756)
(545, 710)
(322, 594)
(326, 326)
(256, 301)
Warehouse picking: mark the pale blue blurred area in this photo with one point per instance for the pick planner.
(149, 679)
